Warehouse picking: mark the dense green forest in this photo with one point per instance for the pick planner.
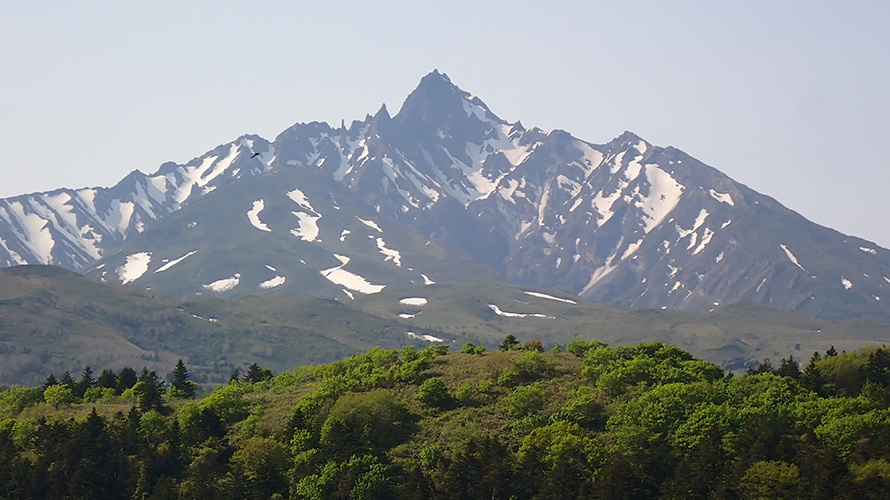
(649, 421)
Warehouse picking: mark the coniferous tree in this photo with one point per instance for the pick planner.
(788, 368)
(235, 376)
(86, 381)
(254, 374)
(831, 352)
(509, 343)
(812, 377)
(182, 387)
(149, 390)
(765, 366)
(67, 380)
(51, 380)
(878, 367)
(126, 379)
(107, 379)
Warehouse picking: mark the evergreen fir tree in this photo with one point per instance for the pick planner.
(254, 374)
(126, 379)
(51, 380)
(67, 380)
(235, 376)
(812, 377)
(509, 343)
(107, 379)
(149, 390)
(182, 387)
(878, 367)
(765, 366)
(831, 351)
(86, 381)
(788, 367)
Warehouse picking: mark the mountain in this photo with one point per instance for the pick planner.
(447, 192)
(53, 320)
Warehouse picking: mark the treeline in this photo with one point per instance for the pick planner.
(649, 421)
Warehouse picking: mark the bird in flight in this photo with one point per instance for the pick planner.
(254, 155)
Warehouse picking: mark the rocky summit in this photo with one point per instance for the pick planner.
(445, 191)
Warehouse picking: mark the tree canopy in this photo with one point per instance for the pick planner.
(646, 421)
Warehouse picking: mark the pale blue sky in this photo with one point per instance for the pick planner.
(789, 98)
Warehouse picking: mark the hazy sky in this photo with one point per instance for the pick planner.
(789, 98)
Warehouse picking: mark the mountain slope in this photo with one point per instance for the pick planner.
(53, 320)
(441, 181)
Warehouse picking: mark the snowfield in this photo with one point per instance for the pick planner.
(272, 283)
(224, 285)
(308, 227)
(253, 215)
(351, 281)
(413, 301)
(428, 338)
(549, 297)
(174, 262)
(498, 311)
(134, 268)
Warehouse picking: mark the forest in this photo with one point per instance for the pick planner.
(584, 420)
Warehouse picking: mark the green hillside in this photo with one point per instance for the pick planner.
(730, 336)
(643, 422)
(52, 321)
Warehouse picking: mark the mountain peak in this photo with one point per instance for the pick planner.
(435, 98)
(438, 104)
(435, 74)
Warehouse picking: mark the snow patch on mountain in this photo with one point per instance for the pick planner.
(272, 283)
(602, 205)
(722, 197)
(869, 250)
(17, 259)
(705, 239)
(549, 297)
(699, 220)
(413, 301)
(135, 266)
(174, 262)
(300, 199)
(792, 258)
(847, 283)
(31, 231)
(308, 226)
(118, 217)
(83, 236)
(354, 282)
(591, 158)
(506, 314)
(664, 194)
(192, 176)
(600, 273)
(225, 284)
(253, 215)
(370, 223)
(427, 338)
(389, 253)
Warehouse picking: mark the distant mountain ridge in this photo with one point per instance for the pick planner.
(446, 191)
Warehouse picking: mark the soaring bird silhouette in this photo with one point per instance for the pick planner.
(254, 155)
